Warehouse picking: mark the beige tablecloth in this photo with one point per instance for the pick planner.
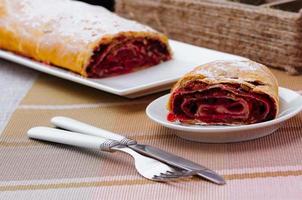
(266, 168)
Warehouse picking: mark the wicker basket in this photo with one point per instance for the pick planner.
(270, 33)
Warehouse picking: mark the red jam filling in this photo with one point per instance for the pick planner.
(126, 55)
(171, 117)
(220, 104)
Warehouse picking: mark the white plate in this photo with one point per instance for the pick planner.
(290, 105)
(147, 81)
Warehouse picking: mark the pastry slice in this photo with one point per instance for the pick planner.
(83, 38)
(225, 93)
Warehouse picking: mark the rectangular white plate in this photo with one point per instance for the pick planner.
(147, 81)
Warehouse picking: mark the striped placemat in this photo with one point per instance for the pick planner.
(266, 168)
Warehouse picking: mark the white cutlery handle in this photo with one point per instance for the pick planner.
(71, 138)
(77, 126)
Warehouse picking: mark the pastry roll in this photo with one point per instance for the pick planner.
(225, 93)
(85, 39)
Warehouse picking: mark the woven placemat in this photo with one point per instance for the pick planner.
(270, 167)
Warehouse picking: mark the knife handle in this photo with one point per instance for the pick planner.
(71, 138)
(80, 127)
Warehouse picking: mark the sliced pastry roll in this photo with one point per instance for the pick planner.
(85, 39)
(225, 93)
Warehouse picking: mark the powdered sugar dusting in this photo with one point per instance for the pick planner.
(73, 23)
(76, 18)
(227, 69)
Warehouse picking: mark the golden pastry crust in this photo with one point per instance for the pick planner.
(64, 33)
(252, 75)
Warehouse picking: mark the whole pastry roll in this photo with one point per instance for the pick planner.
(225, 93)
(85, 39)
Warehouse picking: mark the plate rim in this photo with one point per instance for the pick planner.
(223, 128)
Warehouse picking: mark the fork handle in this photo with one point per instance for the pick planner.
(71, 138)
(77, 126)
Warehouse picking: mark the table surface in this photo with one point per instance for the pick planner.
(266, 168)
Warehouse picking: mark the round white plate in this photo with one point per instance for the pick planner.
(290, 105)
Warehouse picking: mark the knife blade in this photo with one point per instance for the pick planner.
(178, 161)
(153, 152)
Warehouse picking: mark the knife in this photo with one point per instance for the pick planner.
(153, 152)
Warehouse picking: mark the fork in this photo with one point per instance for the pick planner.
(147, 167)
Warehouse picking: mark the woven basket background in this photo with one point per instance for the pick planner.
(269, 36)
